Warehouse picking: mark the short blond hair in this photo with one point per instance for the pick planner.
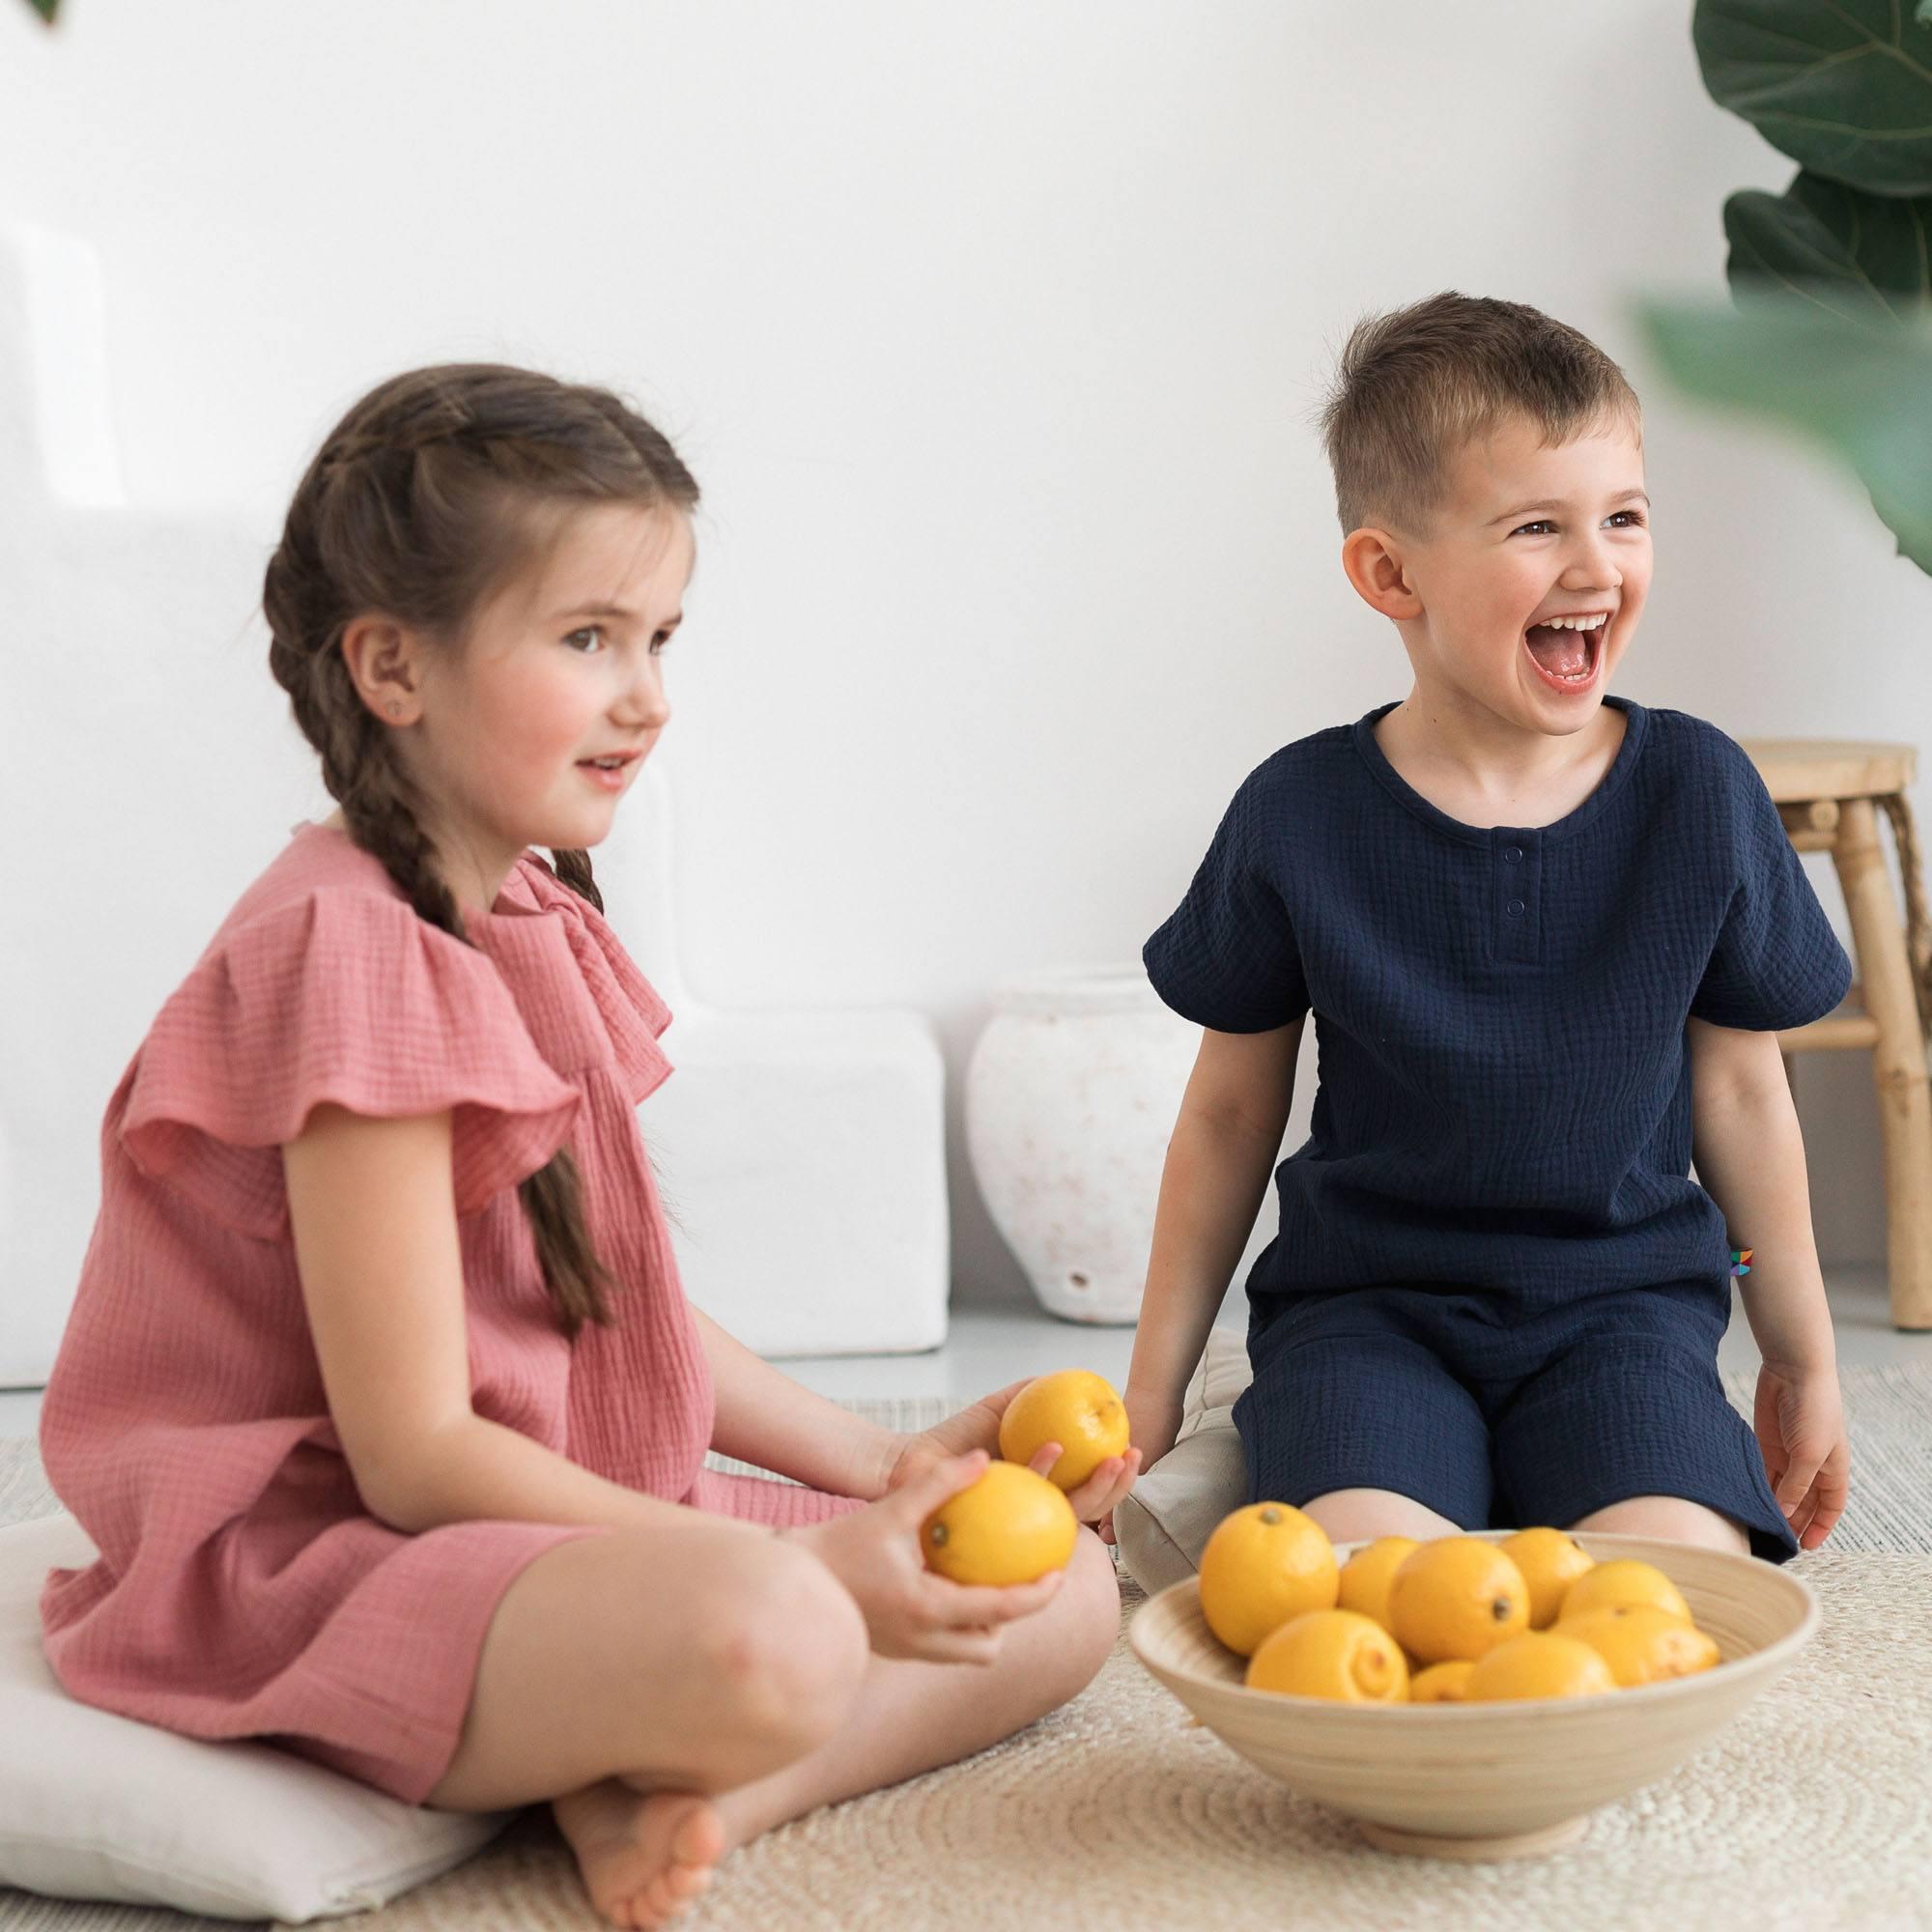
(1416, 385)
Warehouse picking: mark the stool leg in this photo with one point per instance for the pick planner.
(1898, 1061)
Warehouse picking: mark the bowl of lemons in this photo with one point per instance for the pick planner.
(1471, 1696)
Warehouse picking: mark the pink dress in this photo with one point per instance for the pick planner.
(242, 1590)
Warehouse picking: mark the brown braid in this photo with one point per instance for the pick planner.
(421, 502)
(574, 870)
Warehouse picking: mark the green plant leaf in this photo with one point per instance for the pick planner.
(1860, 255)
(1862, 389)
(1845, 88)
(48, 9)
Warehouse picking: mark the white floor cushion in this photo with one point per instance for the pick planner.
(94, 1806)
(1164, 1524)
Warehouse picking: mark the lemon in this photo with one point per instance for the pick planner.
(1365, 1577)
(1078, 1410)
(1263, 1565)
(1550, 1561)
(1441, 1683)
(1010, 1526)
(1538, 1663)
(1624, 1579)
(1642, 1644)
(1456, 1597)
(1331, 1654)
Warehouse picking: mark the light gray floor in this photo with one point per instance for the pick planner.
(990, 1348)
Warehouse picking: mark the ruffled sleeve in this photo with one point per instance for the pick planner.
(345, 996)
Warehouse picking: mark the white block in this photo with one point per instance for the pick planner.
(141, 739)
(802, 1158)
(801, 1154)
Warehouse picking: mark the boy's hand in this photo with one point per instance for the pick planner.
(1800, 1421)
(1152, 1423)
(910, 1610)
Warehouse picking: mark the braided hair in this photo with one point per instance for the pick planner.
(435, 490)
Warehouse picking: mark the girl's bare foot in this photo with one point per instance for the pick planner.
(644, 1857)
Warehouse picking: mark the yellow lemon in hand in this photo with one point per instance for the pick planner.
(1010, 1526)
(1441, 1683)
(1550, 1561)
(1642, 1644)
(1624, 1579)
(1365, 1578)
(1263, 1565)
(1331, 1654)
(1456, 1596)
(1538, 1663)
(1078, 1410)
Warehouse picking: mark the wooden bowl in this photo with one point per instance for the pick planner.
(1491, 1781)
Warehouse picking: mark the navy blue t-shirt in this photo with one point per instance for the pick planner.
(1504, 1074)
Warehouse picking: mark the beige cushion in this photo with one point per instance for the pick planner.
(96, 1805)
(1163, 1525)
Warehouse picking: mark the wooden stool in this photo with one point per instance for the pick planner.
(1829, 793)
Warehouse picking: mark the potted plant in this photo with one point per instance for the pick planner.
(1831, 331)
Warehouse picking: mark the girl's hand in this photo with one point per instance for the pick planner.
(909, 1609)
(974, 1428)
(1800, 1421)
(978, 1428)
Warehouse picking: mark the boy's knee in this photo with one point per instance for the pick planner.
(1360, 1516)
(1675, 1519)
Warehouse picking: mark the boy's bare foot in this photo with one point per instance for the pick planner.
(644, 1857)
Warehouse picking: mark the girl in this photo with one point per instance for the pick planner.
(380, 1397)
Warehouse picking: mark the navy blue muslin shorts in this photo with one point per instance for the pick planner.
(1500, 1418)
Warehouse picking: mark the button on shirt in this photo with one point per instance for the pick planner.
(1504, 1077)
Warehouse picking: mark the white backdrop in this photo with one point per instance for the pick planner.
(993, 333)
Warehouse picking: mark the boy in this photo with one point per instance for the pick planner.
(1548, 935)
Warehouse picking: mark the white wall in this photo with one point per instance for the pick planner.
(993, 332)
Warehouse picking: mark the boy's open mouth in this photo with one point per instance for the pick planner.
(1568, 650)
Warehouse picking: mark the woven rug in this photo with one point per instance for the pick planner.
(1812, 1811)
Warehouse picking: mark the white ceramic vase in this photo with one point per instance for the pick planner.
(1070, 1097)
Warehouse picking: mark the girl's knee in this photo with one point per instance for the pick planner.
(787, 1648)
(1675, 1519)
(1087, 1611)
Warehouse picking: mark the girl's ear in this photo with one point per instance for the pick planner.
(1374, 565)
(382, 660)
